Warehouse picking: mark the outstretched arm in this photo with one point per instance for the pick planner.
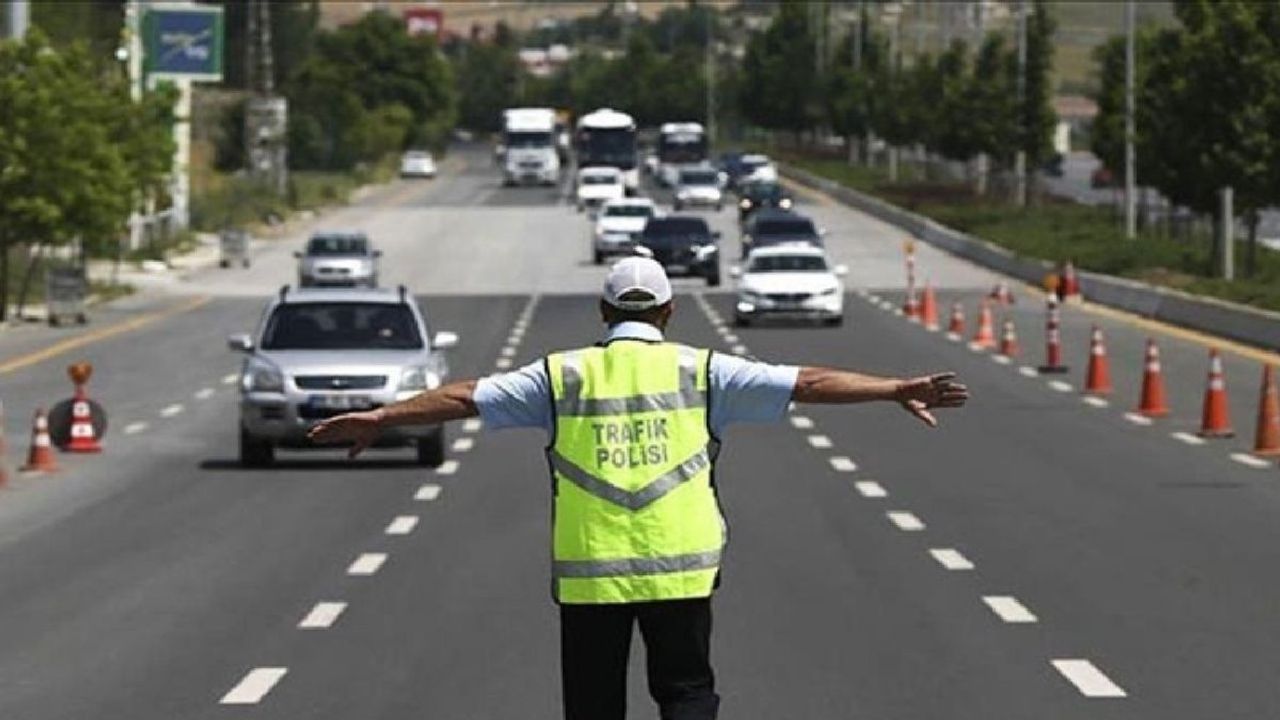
(447, 402)
(916, 395)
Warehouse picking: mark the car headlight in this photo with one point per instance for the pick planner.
(704, 251)
(750, 296)
(262, 376)
(745, 204)
(419, 377)
(785, 203)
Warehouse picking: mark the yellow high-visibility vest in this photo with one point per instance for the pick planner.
(636, 516)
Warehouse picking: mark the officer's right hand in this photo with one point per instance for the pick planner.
(940, 390)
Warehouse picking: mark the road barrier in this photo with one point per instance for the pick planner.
(1098, 378)
(1256, 327)
(1216, 420)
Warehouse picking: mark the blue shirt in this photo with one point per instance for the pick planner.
(743, 390)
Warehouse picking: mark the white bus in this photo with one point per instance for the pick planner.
(529, 146)
(680, 144)
(608, 138)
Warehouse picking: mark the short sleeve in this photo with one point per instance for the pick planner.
(745, 390)
(518, 399)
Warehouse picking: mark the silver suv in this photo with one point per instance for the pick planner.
(340, 259)
(319, 353)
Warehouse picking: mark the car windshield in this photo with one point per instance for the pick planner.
(528, 139)
(698, 177)
(787, 263)
(634, 211)
(789, 227)
(750, 164)
(676, 227)
(341, 326)
(417, 155)
(599, 179)
(338, 245)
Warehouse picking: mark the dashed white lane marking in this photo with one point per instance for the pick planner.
(1028, 371)
(953, 337)
(472, 425)
(1061, 386)
(508, 351)
(514, 339)
(951, 559)
(230, 379)
(1187, 438)
(463, 444)
(254, 686)
(1001, 359)
(323, 615)
(820, 441)
(870, 489)
(731, 339)
(1088, 679)
(723, 330)
(171, 410)
(1137, 419)
(800, 422)
(402, 525)
(503, 363)
(134, 427)
(367, 564)
(203, 394)
(1250, 460)
(448, 467)
(427, 493)
(739, 349)
(843, 464)
(905, 521)
(1095, 401)
(1008, 609)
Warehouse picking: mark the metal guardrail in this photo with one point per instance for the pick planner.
(1245, 324)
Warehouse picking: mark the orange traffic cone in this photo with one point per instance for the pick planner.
(985, 337)
(1267, 439)
(929, 309)
(1009, 341)
(911, 306)
(1215, 421)
(1052, 338)
(1000, 293)
(1152, 403)
(956, 327)
(84, 439)
(40, 459)
(1070, 283)
(1098, 379)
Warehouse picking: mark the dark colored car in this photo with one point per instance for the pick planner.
(684, 245)
(775, 227)
(759, 195)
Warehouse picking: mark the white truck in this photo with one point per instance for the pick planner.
(529, 147)
(607, 138)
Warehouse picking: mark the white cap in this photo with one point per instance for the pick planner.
(638, 275)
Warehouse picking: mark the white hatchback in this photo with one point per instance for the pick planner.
(618, 225)
(417, 163)
(789, 281)
(596, 185)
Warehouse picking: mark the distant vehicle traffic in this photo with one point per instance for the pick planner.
(680, 145)
(618, 225)
(776, 227)
(529, 146)
(338, 259)
(607, 138)
(596, 185)
(761, 194)
(698, 187)
(417, 163)
(684, 245)
(789, 282)
(755, 168)
(320, 353)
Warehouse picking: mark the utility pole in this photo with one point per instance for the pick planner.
(711, 78)
(1020, 159)
(895, 68)
(266, 116)
(1226, 234)
(1130, 157)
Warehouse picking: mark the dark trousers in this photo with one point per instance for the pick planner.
(595, 641)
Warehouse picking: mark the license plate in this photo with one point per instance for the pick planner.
(676, 269)
(340, 402)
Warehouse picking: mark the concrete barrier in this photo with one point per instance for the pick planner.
(1218, 317)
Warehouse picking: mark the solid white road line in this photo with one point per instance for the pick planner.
(820, 441)
(472, 425)
(1137, 419)
(800, 422)
(1009, 609)
(503, 363)
(230, 379)
(905, 521)
(870, 489)
(463, 444)
(171, 410)
(402, 525)
(1187, 438)
(951, 559)
(843, 464)
(1088, 679)
(134, 428)
(448, 467)
(323, 615)
(367, 564)
(427, 493)
(1028, 371)
(1250, 460)
(203, 394)
(1095, 401)
(1061, 386)
(254, 686)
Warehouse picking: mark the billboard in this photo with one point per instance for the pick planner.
(424, 21)
(183, 42)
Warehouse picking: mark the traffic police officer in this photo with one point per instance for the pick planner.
(638, 535)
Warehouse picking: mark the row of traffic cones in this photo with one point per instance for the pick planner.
(83, 437)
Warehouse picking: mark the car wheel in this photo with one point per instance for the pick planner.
(719, 207)
(224, 263)
(431, 450)
(836, 321)
(255, 452)
(597, 257)
(741, 321)
(677, 206)
(713, 280)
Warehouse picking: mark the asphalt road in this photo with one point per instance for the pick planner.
(1030, 557)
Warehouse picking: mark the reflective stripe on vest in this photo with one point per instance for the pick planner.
(637, 499)
(636, 566)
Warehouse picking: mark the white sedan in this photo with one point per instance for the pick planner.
(597, 185)
(789, 281)
(417, 163)
(618, 225)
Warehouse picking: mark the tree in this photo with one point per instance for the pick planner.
(1036, 115)
(488, 79)
(780, 85)
(990, 108)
